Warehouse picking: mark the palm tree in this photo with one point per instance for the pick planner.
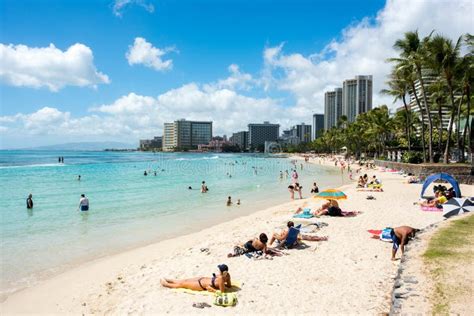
(407, 72)
(413, 50)
(399, 87)
(438, 98)
(444, 56)
(465, 74)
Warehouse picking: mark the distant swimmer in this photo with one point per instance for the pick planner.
(145, 173)
(59, 159)
(238, 202)
(29, 201)
(294, 176)
(229, 201)
(84, 203)
(154, 173)
(204, 187)
(190, 188)
(79, 178)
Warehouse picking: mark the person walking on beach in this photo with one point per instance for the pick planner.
(29, 201)
(84, 203)
(400, 237)
(229, 201)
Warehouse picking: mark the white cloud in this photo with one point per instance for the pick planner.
(362, 49)
(134, 116)
(237, 80)
(38, 67)
(143, 52)
(119, 6)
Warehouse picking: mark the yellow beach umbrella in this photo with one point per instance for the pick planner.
(331, 194)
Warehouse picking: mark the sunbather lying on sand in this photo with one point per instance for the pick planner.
(257, 244)
(331, 207)
(281, 236)
(213, 284)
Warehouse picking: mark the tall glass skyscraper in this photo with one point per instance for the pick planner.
(356, 96)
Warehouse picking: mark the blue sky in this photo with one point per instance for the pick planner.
(284, 55)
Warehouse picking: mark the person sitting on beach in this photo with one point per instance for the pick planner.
(229, 201)
(374, 181)
(366, 179)
(361, 182)
(281, 236)
(438, 201)
(412, 179)
(331, 208)
(315, 188)
(400, 237)
(257, 244)
(211, 284)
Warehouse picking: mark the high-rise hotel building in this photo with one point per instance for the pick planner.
(332, 108)
(183, 134)
(356, 96)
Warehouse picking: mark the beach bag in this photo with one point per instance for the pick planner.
(386, 234)
(225, 299)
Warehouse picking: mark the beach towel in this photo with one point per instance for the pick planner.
(370, 190)
(350, 213)
(431, 209)
(381, 234)
(236, 285)
(305, 214)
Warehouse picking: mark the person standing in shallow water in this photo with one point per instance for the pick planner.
(29, 201)
(84, 203)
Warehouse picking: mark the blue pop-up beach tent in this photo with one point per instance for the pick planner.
(442, 176)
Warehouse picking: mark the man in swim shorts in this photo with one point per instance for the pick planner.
(400, 237)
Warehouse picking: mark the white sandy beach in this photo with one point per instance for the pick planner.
(349, 273)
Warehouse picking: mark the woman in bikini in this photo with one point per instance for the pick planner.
(213, 284)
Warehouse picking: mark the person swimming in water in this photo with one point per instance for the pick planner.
(215, 283)
(145, 173)
(238, 202)
(79, 178)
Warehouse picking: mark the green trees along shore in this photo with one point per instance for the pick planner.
(431, 80)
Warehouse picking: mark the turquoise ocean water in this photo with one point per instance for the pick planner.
(127, 209)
